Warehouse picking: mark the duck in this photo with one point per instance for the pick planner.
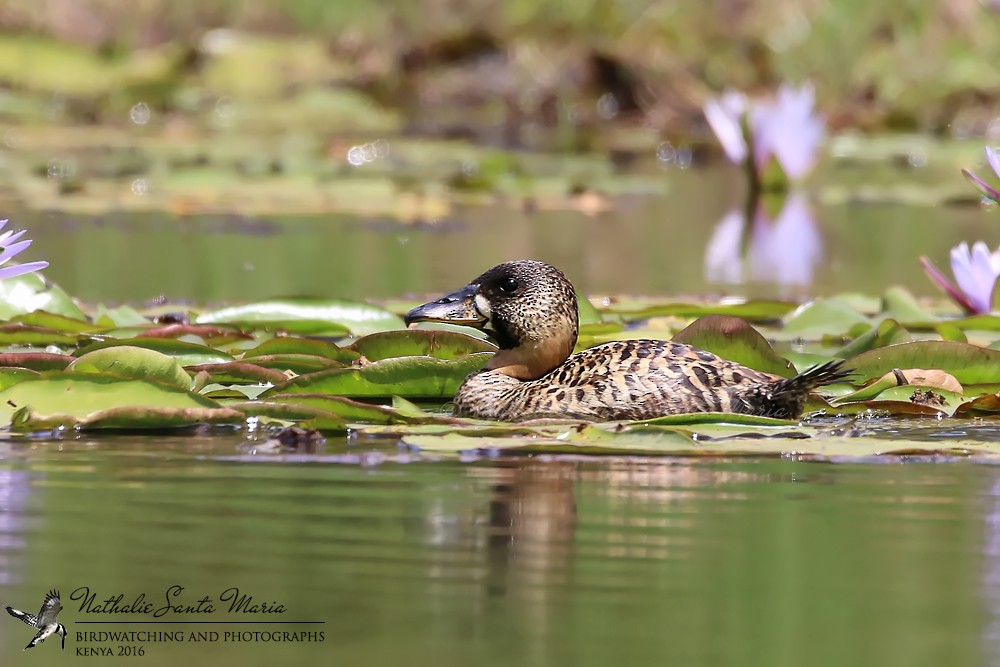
(530, 310)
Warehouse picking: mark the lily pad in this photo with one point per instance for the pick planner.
(186, 354)
(420, 377)
(23, 334)
(968, 363)
(238, 372)
(304, 315)
(94, 400)
(733, 338)
(30, 292)
(302, 346)
(822, 317)
(56, 322)
(300, 364)
(39, 361)
(415, 343)
(754, 311)
(133, 362)
(887, 332)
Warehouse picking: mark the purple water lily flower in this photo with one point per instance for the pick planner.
(993, 157)
(784, 250)
(785, 128)
(976, 273)
(10, 249)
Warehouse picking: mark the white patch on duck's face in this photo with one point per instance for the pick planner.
(483, 306)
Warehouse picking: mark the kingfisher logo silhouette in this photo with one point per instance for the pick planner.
(44, 622)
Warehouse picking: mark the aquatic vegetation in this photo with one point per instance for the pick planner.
(976, 273)
(785, 249)
(785, 129)
(12, 247)
(988, 191)
(262, 367)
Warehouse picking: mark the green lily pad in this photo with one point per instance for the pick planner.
(734, 339)
(94, 400)
(132, 362)
(186, 354)
(420, 377)
(56, 322)
(30, 292)
(239, 372)
(588, 313)
(968, 363)
(416, 343)
(23, 334)
(302, 346)
(321, 419)
(888, 332)
(899, 304)
(754, 311)
(822, 317)
(300, 364)
(120, 316)
(11, 375)
(308, 316)
(357, 412)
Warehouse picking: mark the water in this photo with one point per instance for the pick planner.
(644, 245)
(751, 562)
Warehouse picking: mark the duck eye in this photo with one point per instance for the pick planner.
(509, 285)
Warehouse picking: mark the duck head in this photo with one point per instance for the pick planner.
(528, 308)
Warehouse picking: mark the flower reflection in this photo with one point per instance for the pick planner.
(783, 250)
(14, 488)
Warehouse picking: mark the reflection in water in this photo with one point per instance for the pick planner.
(785, 250)
(532, 561)
(14, 489)
(991, 574)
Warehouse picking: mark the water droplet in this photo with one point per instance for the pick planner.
(917, 158)
(607, 106)
(470, 169)
(140, 186)
(224, 109)
(356, 156)
(403, 240)
(666, 153)
(61, 168)
(368, 152)
(248, 266)
(140, 113)
(987, 204)
(683, 157)
(381, 147)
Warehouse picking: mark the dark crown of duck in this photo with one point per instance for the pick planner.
(529, 309)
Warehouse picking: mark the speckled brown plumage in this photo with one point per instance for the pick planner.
(530, 309)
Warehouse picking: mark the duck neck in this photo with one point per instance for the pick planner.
(532, 355)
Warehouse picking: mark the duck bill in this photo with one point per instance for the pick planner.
(459, 307)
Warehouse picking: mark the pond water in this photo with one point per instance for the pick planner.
(751, 562)
(655, 245)
(519, 561)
